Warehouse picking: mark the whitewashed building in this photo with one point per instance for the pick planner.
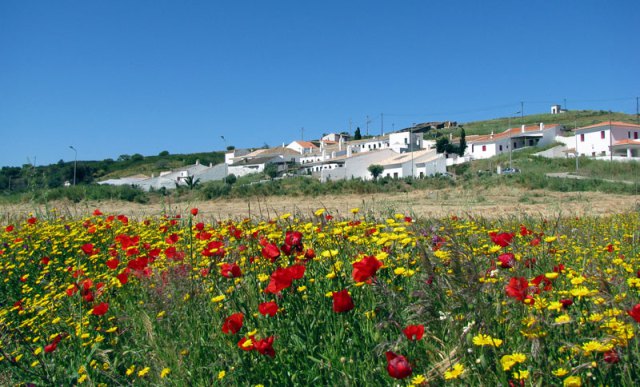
(486, 146)
(601, 139)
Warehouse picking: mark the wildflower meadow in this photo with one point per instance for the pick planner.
(319, 299)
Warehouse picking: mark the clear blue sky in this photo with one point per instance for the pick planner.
(123, 77)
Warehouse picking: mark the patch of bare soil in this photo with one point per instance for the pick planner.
(491, 203)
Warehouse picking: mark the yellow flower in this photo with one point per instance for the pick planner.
(560, 372)
(521, 375)
(219, 298)
(572, 381)
(164, 372)
(143, 372)
(507, 362)
(131, 370)
(563, 319)
(319, 212)
(483, 340)
(221, 375)
(453, 372)
(355, 211)
(82, 378)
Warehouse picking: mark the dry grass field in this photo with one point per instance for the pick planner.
(492, 203)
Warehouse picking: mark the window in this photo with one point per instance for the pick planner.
(628, 134)
(602, 134)
(484, 148)
(582, 137)
(500, 147)
(635, 135)
(395, 175)
(405, 141)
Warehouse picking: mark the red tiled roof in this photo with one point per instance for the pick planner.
(306, 144)
(507, 133)
(626, 142)
(606, 123)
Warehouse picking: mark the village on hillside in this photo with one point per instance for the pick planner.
(404, 153)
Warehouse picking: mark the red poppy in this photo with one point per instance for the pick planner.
(123, 277)
(50, 347)
(517, 288)
(194, 211)
(293, 238)
(507, 260)
(566, 303)
(97, 212)
(233, 323)
(268, 308)
(310, 254)
(398, 366)
(230, 270)
(503, 239)
(635, 312)
(112, 263)
(32, 220)
(100, 309)
(265, 346)
(282, 278)
(9, 228)
(414, 332)
(524, 231)
(87, 248)
(541, 279)
(365, 268)
(45, 260)
(611, 356)
(270, 252)
(342, 301)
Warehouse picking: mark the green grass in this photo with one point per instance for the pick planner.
(570, 119)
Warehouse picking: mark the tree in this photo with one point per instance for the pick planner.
(230, 179)
(163, 153)
(357, 135)
(191, 183)
(441, 144)
(376, 170)
(271, 170)
(231, 147)
(463, 143)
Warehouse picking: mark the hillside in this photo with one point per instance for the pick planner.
(570, 119)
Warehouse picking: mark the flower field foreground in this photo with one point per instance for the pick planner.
(172, 300)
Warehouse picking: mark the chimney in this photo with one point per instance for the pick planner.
(522, 128)
(340, 142)
(349, 151)
(541, 126)
(491, 135)
(210, 165)
(324, 154)
(198, 162)
(333, 155)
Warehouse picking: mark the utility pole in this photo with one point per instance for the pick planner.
(575, 132)
(411, 145)
(637, 112)
(368, 121)
(75, 164)
(610, 139)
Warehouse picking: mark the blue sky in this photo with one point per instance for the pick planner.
(124, 77)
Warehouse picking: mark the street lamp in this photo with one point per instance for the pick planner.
(75, 164)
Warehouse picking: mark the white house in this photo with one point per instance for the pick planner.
(417, 164)
(598, 140)
(486, 146)
(354, 166)
(406, 141)
(302, 147)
